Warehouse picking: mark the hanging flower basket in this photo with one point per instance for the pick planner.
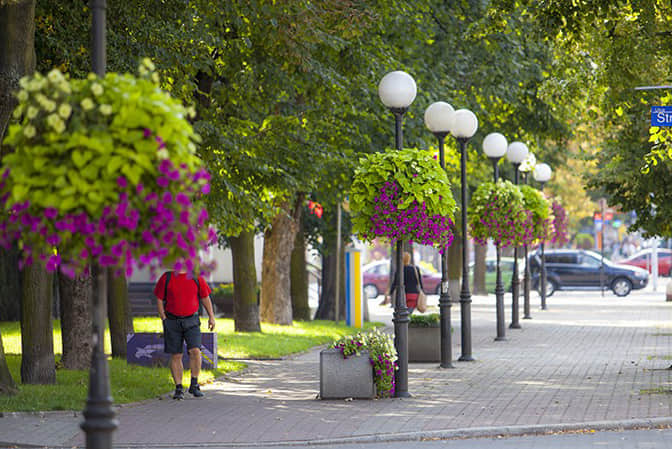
(557, 229)
(497, 212)
(539, 208)
(402, 195)
(103, 171)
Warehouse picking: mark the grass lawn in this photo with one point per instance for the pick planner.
(132, 383)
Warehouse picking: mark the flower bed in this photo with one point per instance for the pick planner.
(382, 355)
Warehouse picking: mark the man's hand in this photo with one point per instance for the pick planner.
(211, 323)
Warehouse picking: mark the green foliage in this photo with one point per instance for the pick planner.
(382, 355)
(534, 201)
(423, 188)
(497, 212)
(429, 320)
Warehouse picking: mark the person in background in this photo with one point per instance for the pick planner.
(178, 295)
(412, 283)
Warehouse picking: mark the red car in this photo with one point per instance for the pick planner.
(643, 260)
(376, 279)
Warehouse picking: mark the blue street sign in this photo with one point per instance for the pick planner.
(661, 115)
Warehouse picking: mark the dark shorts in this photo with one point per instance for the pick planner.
(178, 330)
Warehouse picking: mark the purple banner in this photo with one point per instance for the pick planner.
(146, 349)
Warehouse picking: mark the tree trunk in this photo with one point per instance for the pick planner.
(299, 277)
(10, 280)
(276, 301)
(17, 53)
(17, 58)
(245, 304)
(455, 269)
(479, 269)
(37, 339)
(325, 309)
(118, 313)
(76, 323)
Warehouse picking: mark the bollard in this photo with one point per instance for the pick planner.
(354, 288)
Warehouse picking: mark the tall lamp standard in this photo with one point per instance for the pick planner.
(542, 173)
(464, 127)
(99, 418)
(494, 146)
(527, 165)
(397, 91)
(439, 120)
(516, 154)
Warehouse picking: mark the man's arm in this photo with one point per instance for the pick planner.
(159, 306)
(211, 314)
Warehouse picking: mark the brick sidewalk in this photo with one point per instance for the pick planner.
(585, 360)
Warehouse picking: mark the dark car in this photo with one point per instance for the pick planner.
(643, 260)
(376, 279)
(568, 269)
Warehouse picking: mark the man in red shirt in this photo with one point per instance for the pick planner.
(178, 303)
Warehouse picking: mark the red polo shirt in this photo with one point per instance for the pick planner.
(183, 294)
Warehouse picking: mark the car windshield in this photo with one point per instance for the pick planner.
(598, 257)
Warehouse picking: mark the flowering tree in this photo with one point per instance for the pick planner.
(497, 211)
(104, 171)
(538, 210)
(402, 195)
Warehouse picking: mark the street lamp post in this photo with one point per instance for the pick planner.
(464, 127)
(99, 423)
(527, 165)
(439, 120)
(494, 146)
(542, 173)
(516, 154)
(397, 91)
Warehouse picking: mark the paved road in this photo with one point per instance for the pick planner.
(586, 363)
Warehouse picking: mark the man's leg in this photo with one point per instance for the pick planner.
(172, 335)
(195, 366)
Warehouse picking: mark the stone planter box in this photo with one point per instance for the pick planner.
(346, 378)
(424, 344)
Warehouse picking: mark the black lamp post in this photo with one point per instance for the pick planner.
(99, 423)
(494, 146)
(529, 162)
(397, 91)
(516, 154)
(439, 118)
(463, 128)
(542, 173)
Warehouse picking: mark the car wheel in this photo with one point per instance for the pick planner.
(621, 286)
(371, 291)
(551, 287)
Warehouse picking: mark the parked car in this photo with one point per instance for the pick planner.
(505, 266)
(568, 269)
(643, 260)
(376, 279)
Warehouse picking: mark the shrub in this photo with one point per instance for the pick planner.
(535, 203)
(429, 320)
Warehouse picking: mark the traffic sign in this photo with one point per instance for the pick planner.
(661, 115)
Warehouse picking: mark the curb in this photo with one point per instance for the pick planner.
(449, 434)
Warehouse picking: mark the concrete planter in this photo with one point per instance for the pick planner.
(424, 344)
(346, 378)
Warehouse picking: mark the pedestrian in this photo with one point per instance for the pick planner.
(412, 283)
(178, 295)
